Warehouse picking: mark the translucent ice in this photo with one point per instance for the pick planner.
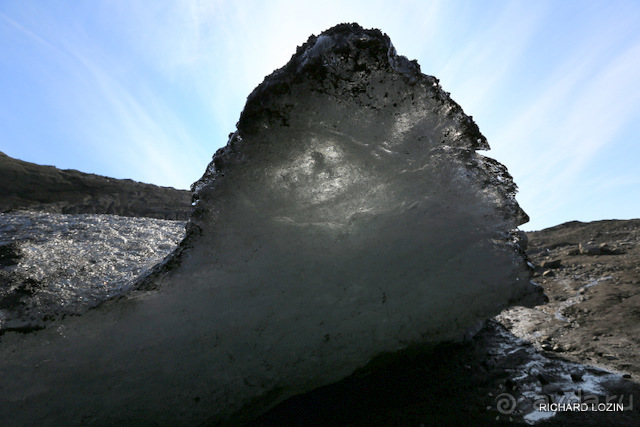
(348, 216)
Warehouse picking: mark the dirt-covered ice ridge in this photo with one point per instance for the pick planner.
(349, 216)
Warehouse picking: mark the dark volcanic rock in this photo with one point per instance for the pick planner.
(48, 189)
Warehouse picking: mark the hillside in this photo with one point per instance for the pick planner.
(49, 189)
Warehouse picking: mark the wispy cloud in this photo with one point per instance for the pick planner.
(141, 133)
(114, 115)
(479, 64)
(585, 104)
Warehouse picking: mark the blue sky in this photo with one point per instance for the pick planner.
(148, 90)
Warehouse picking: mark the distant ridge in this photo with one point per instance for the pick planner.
(25, 185)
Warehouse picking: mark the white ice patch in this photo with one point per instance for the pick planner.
(78, 261)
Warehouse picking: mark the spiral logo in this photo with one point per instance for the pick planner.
(505, 403)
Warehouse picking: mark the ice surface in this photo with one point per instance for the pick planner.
(70, 263)
(348, 216)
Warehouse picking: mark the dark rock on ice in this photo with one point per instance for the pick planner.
(49, 189)
(348, 218)
(10, 253)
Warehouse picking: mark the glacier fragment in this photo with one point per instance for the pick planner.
(348, 216)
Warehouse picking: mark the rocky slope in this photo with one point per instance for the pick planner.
(591, 274)
(30, 186)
